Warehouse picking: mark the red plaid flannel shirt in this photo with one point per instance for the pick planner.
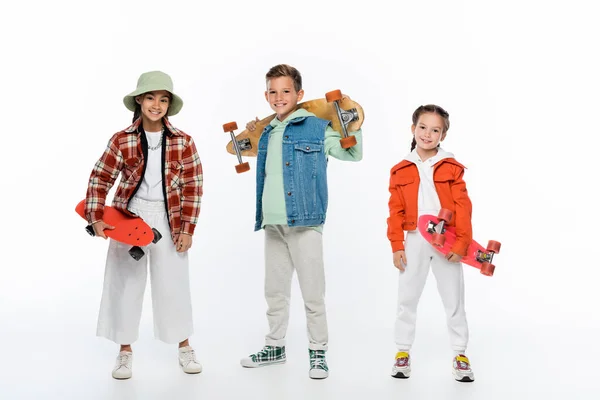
(182, 176)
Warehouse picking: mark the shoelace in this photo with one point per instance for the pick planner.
(124, 360)
(189, 355)
(462, 365)
(318, 361)
(264, 352)
(402, 361)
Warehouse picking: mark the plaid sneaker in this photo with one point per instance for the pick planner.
(267, 356)
(461, 369)
(401, 368)
(318, 364)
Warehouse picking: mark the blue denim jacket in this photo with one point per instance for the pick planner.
(304, 171)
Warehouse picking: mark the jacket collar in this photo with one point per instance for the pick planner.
(448, 158)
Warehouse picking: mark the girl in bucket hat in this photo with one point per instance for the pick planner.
(161, 181)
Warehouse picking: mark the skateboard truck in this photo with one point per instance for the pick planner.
(345, 117)
(437, 238)
(237, 147)
(244, 144)
(485, 258)
(431, 226)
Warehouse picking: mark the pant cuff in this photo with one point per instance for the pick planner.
(118, 339)
(318, 346)
(275, 343)
(172, 339)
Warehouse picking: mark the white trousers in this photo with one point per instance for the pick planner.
(125, 282)
(420, 255)
(301, 249)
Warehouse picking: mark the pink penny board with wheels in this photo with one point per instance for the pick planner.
(442, 238)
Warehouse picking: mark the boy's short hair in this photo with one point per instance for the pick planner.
(286, 70)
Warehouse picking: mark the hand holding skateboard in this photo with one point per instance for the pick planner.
(99, 227)
(345, 115)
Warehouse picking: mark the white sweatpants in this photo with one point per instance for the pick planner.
(125, 282)
(449, 276)
(301, 249)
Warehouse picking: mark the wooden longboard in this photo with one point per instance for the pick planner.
(320, 107)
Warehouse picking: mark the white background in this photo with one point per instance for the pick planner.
(520, 81)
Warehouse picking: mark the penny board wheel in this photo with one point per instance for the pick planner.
(493, 246)
(157, 235)
(487, 269)
(437, 239)
(136, 253)
(445, 215)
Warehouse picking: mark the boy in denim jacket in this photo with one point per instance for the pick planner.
(291, 205)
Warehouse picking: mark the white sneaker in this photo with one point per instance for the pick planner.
(122, 368)
(188, 362)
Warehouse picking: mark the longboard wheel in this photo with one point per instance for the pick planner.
(487, 269)
(493, 246)
(334, 95)
(445, 215)
(437, 239)
(243, 167)
(348, 142)
(157, 236)
(136, 253)
(230, 127)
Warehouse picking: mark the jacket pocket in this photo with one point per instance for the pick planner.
(307, 180)
(443, 178)
(308, 147)
(406, 190)
(404, 181)
(307, 157)
(174, 172)
(402, 185)
(130, 170)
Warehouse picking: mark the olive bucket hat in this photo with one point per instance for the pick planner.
(149, 82)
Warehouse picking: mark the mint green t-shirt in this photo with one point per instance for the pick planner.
(273, 199)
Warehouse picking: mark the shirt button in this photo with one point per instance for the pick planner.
(289, 193)
(286, 136)
(293, 221)
(287, 163)
(307, 147)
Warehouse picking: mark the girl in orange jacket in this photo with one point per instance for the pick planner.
(427, 180)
